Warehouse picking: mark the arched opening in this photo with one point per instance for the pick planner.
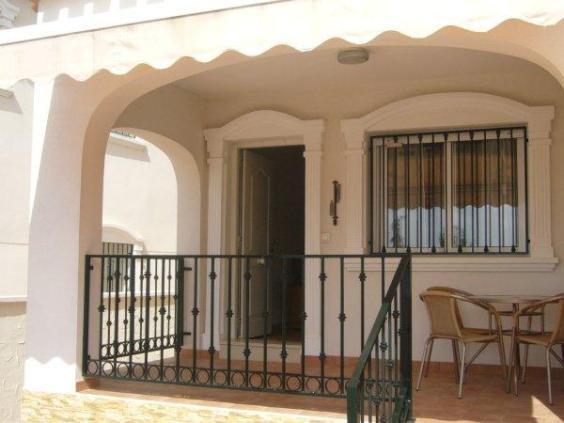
(323, 90)
(140, 196)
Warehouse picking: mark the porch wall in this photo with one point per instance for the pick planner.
(527, 83)
(12, 337)
(16, 115)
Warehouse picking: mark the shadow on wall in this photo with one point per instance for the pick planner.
(159, 204)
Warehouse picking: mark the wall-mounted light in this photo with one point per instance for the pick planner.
(353, 56)
(336, 200)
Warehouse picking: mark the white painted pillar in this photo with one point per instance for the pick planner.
(313, 163)
(52, 336)
(216, 175)
(538, 160)
(355, 189)
(65, 223)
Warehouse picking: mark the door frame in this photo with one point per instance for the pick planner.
(263, 128)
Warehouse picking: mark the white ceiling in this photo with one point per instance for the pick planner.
(319, 70)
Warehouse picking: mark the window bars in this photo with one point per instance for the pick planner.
(116, 248)
(461, 191)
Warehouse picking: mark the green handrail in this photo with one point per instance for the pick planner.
(355, 388)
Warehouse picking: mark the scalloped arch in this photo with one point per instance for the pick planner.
(448, 110)
(265, 124)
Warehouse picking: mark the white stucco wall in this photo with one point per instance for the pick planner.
(173, 119)
(76, 169)
(527, 84)
(140, 195)
(12, 338)
(16, 114)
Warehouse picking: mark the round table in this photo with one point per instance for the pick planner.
(515, 301)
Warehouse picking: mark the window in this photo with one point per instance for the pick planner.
(460, 191)
(116, 268)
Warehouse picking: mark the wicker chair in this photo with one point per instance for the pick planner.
(529, 315)
(547, 340)
(446, 323)
(455, 351)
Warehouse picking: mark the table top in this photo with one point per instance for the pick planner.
(509, 298)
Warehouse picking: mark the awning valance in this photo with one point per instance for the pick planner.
(300, 24)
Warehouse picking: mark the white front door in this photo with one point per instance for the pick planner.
(256, 238)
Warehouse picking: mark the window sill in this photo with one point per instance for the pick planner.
(463, 264)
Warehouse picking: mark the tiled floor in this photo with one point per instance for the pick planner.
(485, 399)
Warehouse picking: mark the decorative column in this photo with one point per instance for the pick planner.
(355, 187)
(313, 161)
(216, 174)
(538, 169)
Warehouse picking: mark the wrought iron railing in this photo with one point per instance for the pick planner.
(292, 323)
(379, 389)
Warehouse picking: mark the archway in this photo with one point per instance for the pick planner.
(77, 146)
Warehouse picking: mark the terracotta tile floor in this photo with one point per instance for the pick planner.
(485, 399)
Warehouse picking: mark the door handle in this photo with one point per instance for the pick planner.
(261, 261)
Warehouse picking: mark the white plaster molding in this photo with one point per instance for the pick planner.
(132, 143)
(454, 110)
(455, 263)
(13, 298)
(114, 231)
(8, 14)
(6, 93)
(268, 128)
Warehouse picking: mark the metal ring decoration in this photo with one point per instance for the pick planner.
(154, 373)
(253, 382)
(313, 384)
(275, 387)
(122, 370)
(169, 374)
(104, 351)
(138, 371)
(335, 382)
(237, 375)
(199, 372)
(186, 375)
(108, 368)
(293, 383)
(222, 379)
(92, 367)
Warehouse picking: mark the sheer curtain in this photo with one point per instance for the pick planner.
(415, 196)
(455, 191)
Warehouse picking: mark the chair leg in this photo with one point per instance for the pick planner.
(423, 360)
(562, 356)
(428, 361)
(524, 369)
(456, 359)
(512, 370)
(502, 360)
(549, 381)
(462, 366)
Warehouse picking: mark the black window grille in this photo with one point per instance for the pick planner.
(115, 267)
(459, 191)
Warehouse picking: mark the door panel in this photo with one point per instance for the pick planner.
(255, 236)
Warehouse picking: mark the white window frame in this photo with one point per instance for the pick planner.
(456, 110)
(382, 210)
